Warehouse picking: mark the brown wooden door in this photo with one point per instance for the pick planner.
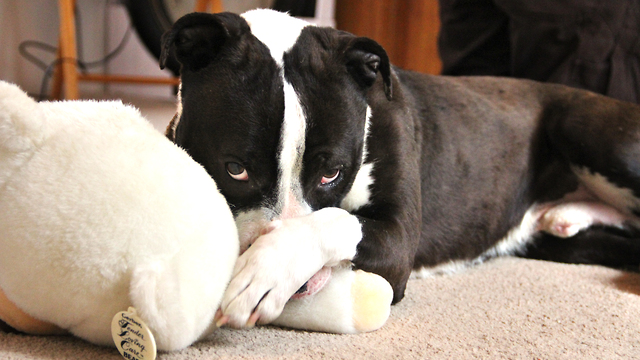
(407, 29)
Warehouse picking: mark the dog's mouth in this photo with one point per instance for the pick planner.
(315, 284)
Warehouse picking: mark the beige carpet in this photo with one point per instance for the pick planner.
(505, 309)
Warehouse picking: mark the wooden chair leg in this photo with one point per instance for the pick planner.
(215, 6)
(68, 51)
(56, 86)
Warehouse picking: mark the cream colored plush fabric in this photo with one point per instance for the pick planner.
(504, 309)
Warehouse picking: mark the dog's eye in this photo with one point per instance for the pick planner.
(330, 177)
(237, 171)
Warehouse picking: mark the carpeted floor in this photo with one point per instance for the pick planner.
(505, 309)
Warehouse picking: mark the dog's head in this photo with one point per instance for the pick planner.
(275, 110)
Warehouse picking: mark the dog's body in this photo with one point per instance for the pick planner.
(327, 153)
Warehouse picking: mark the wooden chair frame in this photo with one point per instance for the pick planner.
(66, 74)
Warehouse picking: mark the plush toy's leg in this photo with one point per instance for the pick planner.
(351, 302)
(21, 321)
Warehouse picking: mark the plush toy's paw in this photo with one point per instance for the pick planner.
(21, 321)
(351, 302)
(372, 296)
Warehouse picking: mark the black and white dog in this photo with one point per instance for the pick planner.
(326, 153)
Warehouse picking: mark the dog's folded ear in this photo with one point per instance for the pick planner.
(198, 37)
(365, 58)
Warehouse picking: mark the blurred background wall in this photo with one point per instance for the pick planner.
(406, 28)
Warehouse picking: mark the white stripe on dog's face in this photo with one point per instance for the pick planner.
(360, 192)
(292, 144)
(279, 32)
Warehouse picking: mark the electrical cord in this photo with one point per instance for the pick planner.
(48, 69)
(25, 45)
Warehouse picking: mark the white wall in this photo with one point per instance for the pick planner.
(37, 20)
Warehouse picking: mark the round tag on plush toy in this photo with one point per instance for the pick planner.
(132, 336)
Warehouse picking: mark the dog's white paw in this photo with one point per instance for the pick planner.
(280, 261)
(266, 276)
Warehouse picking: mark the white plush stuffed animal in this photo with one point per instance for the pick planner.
(99, 212)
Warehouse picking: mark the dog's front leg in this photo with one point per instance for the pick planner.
(282, 260)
